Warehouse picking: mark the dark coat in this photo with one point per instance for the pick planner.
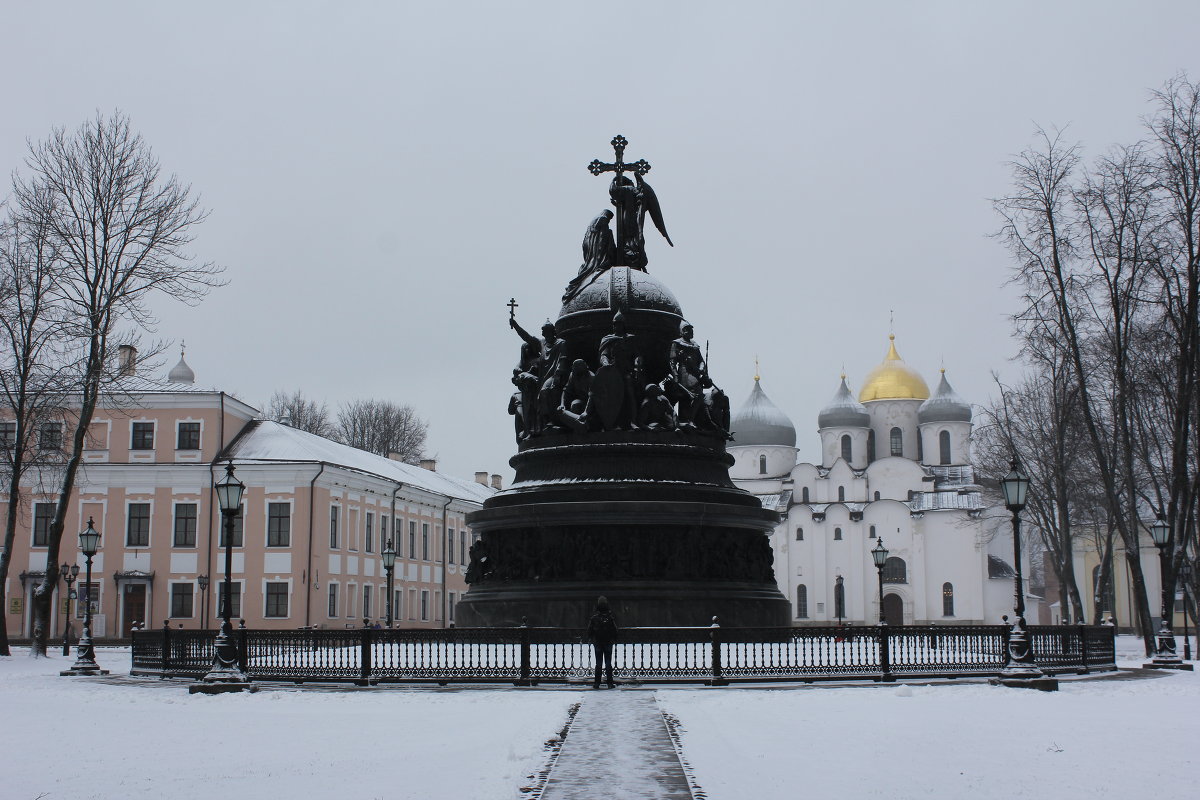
(602, 627)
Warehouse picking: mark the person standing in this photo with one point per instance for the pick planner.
(602, 631)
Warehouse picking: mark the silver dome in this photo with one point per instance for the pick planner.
(844, 411)
(944, 406)
(181, 372)
(760, 422)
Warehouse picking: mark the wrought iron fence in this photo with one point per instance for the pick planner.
(711, 655)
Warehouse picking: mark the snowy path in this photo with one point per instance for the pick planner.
(618, 748)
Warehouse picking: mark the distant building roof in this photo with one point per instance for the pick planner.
(267, 441)
(760, 422)
(945, 405)
(893, 379)
(843, 411)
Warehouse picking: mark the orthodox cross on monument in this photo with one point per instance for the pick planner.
(512, 308)
(632, 203)
(639, 167)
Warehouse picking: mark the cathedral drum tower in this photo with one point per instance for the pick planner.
(622, 480)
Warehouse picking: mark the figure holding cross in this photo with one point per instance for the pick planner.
(632, 202)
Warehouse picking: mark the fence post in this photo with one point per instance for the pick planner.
(1083, 650)
(364, 659)
(166, 649)
(718, 677)
(243, 651)
(885, 656)
(526, 669)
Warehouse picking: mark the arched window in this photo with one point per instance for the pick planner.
(870, 446)
(846, 447)
(842, 493)
(839, 599)
(799, 534)
(762, 465)
(802, 602)
(944, 446)
(804, 495)
(837, 534)
(920, 447)
(872, 533)
(895, 570)
(897, 442)
(947, 600)
(877, 495)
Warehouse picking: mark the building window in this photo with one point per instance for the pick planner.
(897, 442)
(187, 436)
(383, 531)
(450, 546)
(424, 604)
(412, 539)
(920, 447)
(451, 606)
(947, 600)
(841, 494)
(895, 570)
(8, 435)
(142, 436)
(366, 606)
(333, 527)
(944, 446)
(837, 534)
(799, 534)
(425, 540)
(239, 521)
(398, 604)
(181, 600)
(871, 533)
(350, 587)
(839, 599)
(137, 527)
(50, 436)
(279, 525)
(397, 537)
(235, 599)
(802, 602)
(870, 446)
(333, 597)
(762, 465)
(277, 600)
(43, 515)
(185, 525)
(369, 534)
(846, 447)
(462, 547)
(877, 495)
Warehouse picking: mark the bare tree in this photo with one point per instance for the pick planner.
(302, 413)
(120, 231)
(382, 427)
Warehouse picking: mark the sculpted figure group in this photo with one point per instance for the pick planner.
(555, 394)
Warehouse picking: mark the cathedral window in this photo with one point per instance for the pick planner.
(871, 535)
(877, 495)
(870, 446)
(944, 446)
(897, 442)
(802, 602)
(920, 447)
(837, 534)
(762, 465)
(947, 600)
(799, 534)
(895, 570)
(842, 494)
(804, 495)
(846, 447)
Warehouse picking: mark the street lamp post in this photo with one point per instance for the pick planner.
(389, 564)
(1165, 656)
(85, 653)
(225, 674)
(202, 580)
(880, 556)
(1021, 669)
(69, 572)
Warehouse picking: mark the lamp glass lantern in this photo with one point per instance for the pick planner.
(1160, 531)
(203, 581)
(229, 491)
(89, 539)
(1015, 485)
(879, 554)
(389, 555)
(65, 571)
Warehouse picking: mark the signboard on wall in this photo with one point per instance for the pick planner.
(14, 605)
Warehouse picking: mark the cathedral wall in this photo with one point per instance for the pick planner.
(831, 446)
(960, 442)
(752, 462)
(888, 414)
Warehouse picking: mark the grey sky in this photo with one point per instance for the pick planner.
(383, 177)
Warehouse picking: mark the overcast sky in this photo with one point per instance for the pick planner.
(382, 177)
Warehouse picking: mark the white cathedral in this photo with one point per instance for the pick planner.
(895, 465)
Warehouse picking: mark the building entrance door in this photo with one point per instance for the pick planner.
(134, 607)
(893, 609)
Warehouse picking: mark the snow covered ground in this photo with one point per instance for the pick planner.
(1094, 739)
(73, 738)
(1108, 738)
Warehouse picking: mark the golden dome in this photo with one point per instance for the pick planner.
(893, 380)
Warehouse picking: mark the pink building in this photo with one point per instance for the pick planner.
(307, 547)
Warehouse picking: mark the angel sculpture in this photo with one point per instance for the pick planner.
(633, 202)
